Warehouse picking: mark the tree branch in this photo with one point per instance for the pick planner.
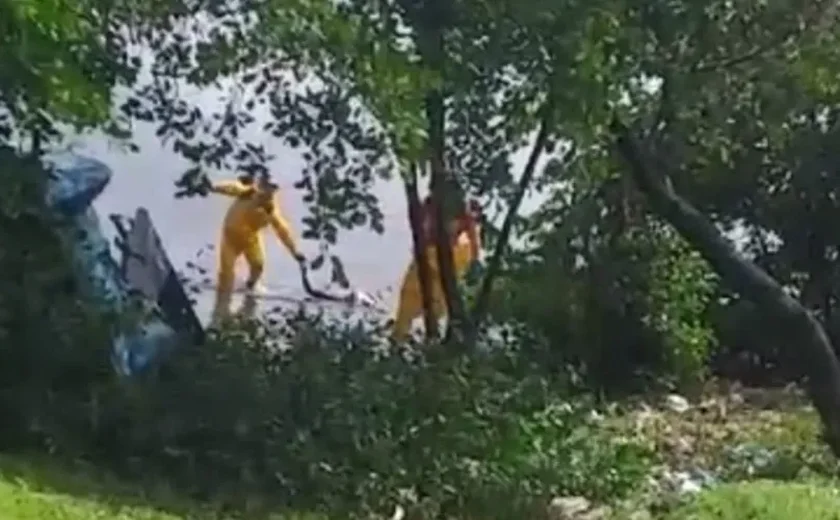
(818, 15)
(420, 260)
(493, 267)
(720, 253)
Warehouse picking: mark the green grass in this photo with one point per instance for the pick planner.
(764, 500)
(34, 488)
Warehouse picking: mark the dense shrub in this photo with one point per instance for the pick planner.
(340, 424)
(337, 425)
(52, 348)
(626, 311)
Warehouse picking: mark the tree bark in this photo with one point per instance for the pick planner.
(441, 195)
(437, 15)
(817, 357)
(419, 242)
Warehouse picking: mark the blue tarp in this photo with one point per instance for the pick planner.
(140, 333)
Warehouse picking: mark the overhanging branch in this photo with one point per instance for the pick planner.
(716, 248)
(814, 350)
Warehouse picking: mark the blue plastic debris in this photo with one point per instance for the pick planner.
(140, 335)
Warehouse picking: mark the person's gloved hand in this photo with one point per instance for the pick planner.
(474, 272)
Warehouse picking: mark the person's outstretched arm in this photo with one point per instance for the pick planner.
(230, 188)
(284, 233)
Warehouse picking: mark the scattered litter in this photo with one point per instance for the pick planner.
(677, 403)
(688, 482)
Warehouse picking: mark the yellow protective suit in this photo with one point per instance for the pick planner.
(252, 210)
(410, 305)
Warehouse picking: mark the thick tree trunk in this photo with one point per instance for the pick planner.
(420, 260)
(436, 18)
(805, 333)
(441, 196)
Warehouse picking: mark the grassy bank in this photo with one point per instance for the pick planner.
(763, 450)
(38, 488)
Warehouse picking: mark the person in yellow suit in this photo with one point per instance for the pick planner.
(466, 247)
(254, 208)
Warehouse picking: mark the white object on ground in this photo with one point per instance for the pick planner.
(568, 508)
(399, 513)
(677, 403)
(357, 297)
(688, 482)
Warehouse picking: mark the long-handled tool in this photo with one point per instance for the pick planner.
(352, 298)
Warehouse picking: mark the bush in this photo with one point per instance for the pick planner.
(335, 424)
(681, 290)
(628, 310)
(339, 424)
(53, 350)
